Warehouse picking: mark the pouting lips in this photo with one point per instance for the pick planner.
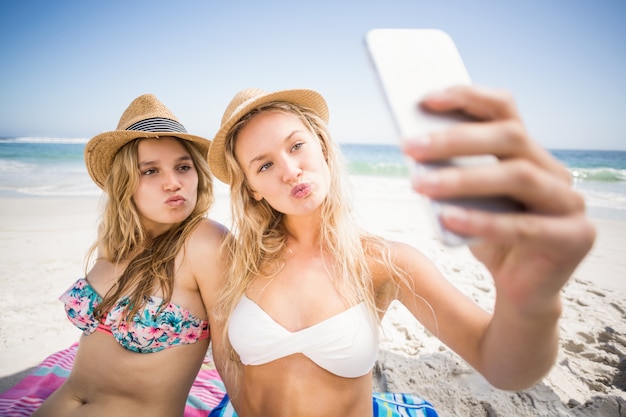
(301, 190)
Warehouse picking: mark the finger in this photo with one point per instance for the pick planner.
(568, 236)
(504, 139)
(478, 102)
(538, 190)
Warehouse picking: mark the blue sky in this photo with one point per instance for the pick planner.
(70, 68)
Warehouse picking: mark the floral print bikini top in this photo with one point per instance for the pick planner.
(150, 330)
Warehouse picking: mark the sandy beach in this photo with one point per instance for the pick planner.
(43, 242)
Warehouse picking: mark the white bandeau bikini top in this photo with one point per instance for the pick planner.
(345, 345)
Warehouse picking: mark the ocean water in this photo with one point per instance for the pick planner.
(54, 167)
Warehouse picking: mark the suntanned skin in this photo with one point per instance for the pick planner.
(530, 256)
(109, 380)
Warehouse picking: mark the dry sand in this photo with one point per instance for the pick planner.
(43, 242)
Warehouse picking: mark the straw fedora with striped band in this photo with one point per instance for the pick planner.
(246, 101)
(145, 117)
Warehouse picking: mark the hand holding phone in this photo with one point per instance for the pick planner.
(411, 63)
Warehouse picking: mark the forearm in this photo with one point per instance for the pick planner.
(518, 349)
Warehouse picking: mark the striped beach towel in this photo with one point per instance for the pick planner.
(385, 404)
(25, 397)
(388, 404)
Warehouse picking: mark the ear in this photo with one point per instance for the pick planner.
(256, 196)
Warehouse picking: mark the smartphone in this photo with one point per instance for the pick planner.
(411, 63)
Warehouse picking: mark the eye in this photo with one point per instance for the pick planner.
(265, 167)
(150, 171)
(297, 146)
(185, 168)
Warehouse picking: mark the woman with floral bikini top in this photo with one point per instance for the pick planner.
(142, 306)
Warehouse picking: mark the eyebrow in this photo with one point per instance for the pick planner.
(148, 163)
(264, 156)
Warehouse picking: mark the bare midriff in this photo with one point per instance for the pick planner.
(295, 386)
(109, 380)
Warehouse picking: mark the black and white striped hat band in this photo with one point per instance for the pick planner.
(157, 124)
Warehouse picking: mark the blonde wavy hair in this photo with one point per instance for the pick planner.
(123, 239)
(258, 240)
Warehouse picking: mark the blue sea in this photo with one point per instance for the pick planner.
(54, 167)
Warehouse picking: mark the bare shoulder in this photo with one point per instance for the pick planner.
(204, 257)
(418, 271)
(395, 266)
(387, 256)
(206, 238)
(205, 245)
(400, 271)
(209, 229)
(405, 255)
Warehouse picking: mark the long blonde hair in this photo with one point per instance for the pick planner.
(258, 240)
(123, 239)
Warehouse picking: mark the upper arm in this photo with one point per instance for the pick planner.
(208, 262)
(446, 312)
(205, 254)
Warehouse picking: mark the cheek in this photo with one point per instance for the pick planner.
(142, 197)
(138, 195)
(194, 186)
(325, 170)
(140, 201)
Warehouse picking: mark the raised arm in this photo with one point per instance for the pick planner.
(531, 254)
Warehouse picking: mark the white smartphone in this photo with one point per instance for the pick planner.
(411, 63)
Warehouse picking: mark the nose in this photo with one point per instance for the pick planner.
(171, 182)
(291, 170)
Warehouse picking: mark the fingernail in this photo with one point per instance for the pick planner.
(416, 142)
(426, 180)
(454, 213)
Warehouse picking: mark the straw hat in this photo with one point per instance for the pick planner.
(243, 103)
(145, 117)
